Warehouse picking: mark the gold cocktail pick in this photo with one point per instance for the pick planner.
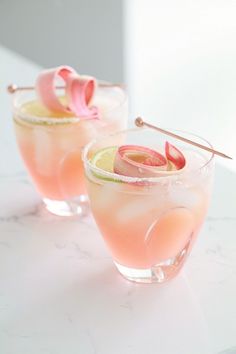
(14, 88)
(140, 123)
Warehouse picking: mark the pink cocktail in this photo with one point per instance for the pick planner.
(150, 223)
(51, 142)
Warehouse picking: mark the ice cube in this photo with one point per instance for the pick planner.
(43, 151)
(75, 136)
(138, 206)
(183, 197)
(104, 197)
(194, 160)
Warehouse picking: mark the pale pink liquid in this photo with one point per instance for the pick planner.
(52, 151)
(145, 226)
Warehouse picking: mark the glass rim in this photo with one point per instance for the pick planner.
(114, 177)
(67, 119)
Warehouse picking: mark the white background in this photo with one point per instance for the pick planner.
(181, 66)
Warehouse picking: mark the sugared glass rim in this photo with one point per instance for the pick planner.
(114, 177)
(69, 119)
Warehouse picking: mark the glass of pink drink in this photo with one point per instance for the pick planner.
(149, 223)
(51, 142)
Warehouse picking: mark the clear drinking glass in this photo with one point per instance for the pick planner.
(51, 145)
(150, 224)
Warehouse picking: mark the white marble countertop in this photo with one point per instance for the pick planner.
(60, 292)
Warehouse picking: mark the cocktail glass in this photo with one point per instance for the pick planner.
(150, 224)
(51, 144)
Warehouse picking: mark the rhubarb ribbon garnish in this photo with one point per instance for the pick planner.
(79, 91)
(174, 156)
(141, 162)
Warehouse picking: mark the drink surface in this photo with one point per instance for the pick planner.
(51, 142)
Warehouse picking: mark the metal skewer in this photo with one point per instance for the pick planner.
(14, 88)
(140, 123)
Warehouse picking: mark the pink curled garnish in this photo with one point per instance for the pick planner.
(142, 162)
(45, 87)
(138, 161)
(175, 156)
(79, 91)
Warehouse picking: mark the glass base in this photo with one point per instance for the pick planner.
(158, 273)
(76, 206)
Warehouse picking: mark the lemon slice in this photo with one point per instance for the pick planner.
(104, 159)
(36, 109)
(35, 113)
